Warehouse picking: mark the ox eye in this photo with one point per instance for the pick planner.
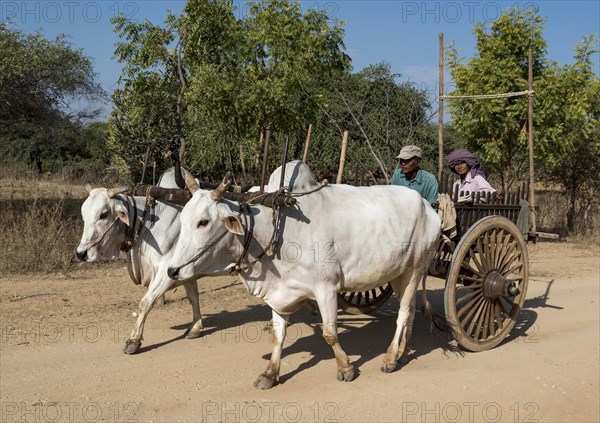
(104, 215)
(203, 222)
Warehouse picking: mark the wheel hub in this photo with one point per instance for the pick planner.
(495, 285)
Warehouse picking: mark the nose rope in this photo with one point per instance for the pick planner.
(128, 243)
(202, 252)
(101, 236)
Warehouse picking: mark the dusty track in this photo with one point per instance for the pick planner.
(61, 359)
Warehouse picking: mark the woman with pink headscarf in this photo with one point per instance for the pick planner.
(467, 166)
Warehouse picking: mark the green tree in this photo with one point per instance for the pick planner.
(568, 112)
(268, 69)
(264, 70)
(381, 115)
(39, 81)
(495, 129)
(566, 108)
(144, 116)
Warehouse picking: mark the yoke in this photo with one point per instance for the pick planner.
(182, 196)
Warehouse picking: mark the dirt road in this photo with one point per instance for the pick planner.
(61, 359)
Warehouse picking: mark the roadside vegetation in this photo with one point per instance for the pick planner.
(208, 85)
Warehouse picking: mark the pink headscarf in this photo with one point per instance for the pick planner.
(464, 156)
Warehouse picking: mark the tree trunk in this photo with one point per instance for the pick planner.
(587, 215)
(571, 212)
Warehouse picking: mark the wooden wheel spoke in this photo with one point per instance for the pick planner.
(503, 307)
(505, 251)
(472, 287)
(476, 261)
(491, 248)
(467, 296)
(470, 307)
(366, 301)
(512, 269)
(500, 239)
(515, 279)
(483, 247)
(468, 266)
(498, 315)
(470, 278)
(479, 258)
(486, 320)
(477, 320)
(508, 250)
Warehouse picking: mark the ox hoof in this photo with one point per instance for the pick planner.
(264, 382)
(193, 334)
(131, 346)
(346, 376)
(388, 368)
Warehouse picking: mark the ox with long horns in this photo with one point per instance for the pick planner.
(114, 221)
(365, 237)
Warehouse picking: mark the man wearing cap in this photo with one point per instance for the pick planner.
(411, 176)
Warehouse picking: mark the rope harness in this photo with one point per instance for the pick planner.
(132, 233)
(245, 214)
(237, 268)
(100, 237)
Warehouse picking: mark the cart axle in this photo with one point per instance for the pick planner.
(496, 285)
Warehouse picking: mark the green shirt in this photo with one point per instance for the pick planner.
(424, 183)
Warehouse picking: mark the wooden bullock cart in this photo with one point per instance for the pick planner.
(485, 265)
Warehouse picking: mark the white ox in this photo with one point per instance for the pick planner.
(108, 219)
(340, 238)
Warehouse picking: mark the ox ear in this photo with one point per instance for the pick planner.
(233, 224)
(88, 188)
(230, 219)
(122, 213)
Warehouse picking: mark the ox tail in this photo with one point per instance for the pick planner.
(439, 323)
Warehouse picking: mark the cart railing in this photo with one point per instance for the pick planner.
(472, 207)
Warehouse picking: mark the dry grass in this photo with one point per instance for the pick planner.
(20, 189)
(40, 224)
(37, 238)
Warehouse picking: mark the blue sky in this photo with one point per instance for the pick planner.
(402, 33)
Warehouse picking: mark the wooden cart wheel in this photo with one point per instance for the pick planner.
(486, 283)
(364, 302)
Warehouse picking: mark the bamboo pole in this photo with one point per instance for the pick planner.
(338, 180)
(441, 110)
(307, 143)
(257, 153)
(145, 165)
(241, 148)
(530, 140)
(284, 161)
(264, 164)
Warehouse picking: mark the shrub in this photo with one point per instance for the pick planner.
(38, 236)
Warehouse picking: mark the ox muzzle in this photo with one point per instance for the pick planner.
(173, 272)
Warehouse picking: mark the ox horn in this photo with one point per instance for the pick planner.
(191, 183)
(222, 188)
(114, 191)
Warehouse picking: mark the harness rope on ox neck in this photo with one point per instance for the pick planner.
(249, 228)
